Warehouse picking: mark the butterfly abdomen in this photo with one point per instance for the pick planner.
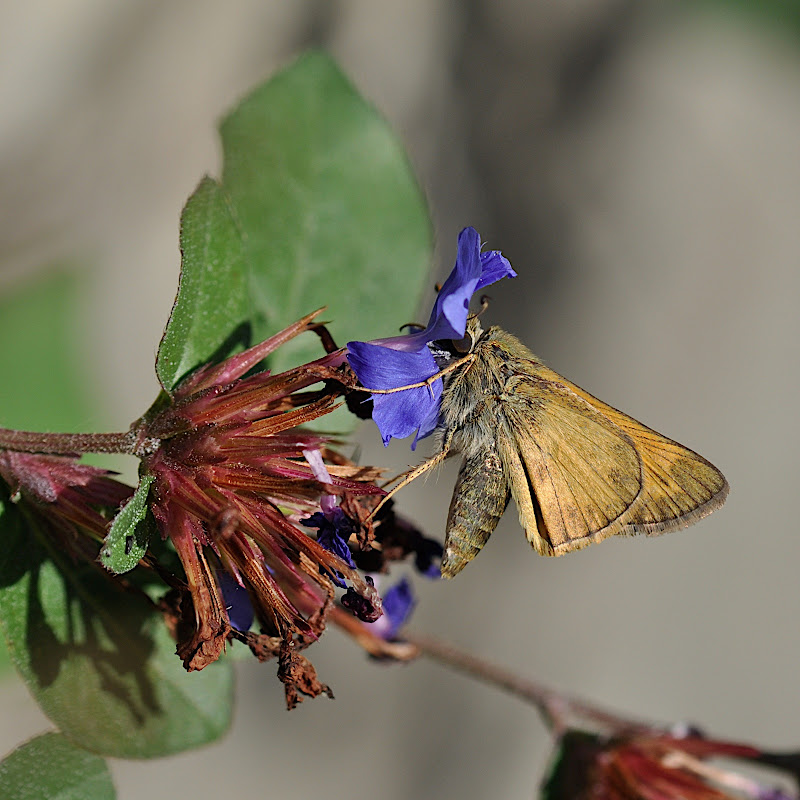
(479, 500)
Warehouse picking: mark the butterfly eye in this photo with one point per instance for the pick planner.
(463, 345)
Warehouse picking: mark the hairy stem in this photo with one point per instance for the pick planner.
(556, 708)
(68, 443)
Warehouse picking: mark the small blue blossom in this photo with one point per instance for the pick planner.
(432, 570)
(403, 360)
(334, 528)
(398, 603)
(237, 601)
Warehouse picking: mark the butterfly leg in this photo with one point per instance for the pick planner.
(406, 477)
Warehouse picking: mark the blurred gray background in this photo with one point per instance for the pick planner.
(638, 164)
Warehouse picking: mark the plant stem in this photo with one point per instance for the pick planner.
(68, 443)
(556, 708)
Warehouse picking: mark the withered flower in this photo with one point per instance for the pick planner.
(267, 519)
(73, 501)
(235, 479)
(654, 766)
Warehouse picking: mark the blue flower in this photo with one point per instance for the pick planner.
(237, 601)
(402, 360)
(334, 528)
(398, 603)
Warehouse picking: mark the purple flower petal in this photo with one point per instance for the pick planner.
(398, 603)
(334, 530)
(237, 601)
(428, 424)
(333, 533)
(405, 360)
(405, 412)
(494, 267)
(449, 315)
(380, 367)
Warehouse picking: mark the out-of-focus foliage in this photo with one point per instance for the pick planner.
(782, 14)
(50, 766)
(43, 375)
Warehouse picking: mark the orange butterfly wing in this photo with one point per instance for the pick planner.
(574, 474)
(585, 471)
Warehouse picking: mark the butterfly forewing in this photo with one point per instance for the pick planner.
(678, 485)
(580, 471)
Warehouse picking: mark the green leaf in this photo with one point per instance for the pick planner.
(49, 766)
(43, 376)
(780, 17)
(127, 540)
(212, 308)
(328, 206)
(97, 656)
(5, 661)
(43, 373)
(318, 207)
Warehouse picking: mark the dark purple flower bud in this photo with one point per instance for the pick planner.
(406, 360)
(335, 529)
(367, 606)
(428, 558)
(432, 571)
(399, 538)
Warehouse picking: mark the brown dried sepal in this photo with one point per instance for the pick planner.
(196, 647)
(359, 510)
(318, 620)
(298, 676)
(263, 647)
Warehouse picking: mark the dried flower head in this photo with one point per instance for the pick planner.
(73, 501)
(238, 486)
(653, 766)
